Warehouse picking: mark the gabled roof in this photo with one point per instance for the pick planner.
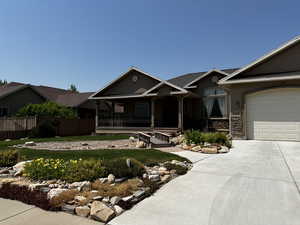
(120, 77)
(61, 96)
(161, 82)
(204, 75)
(13, 87)
(184, 80)
(286, 45)
(179, 89)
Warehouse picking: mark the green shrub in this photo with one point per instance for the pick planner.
(217, 138)
(9, 158)
(70, 171)
(47, 109)
(44, 130)
(180, 170)
(45, 169)
(193, 137)
(119, 168)
(84, 170)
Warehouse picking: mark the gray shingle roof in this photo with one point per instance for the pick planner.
(58, 95)
(73, 99)
(183, 80)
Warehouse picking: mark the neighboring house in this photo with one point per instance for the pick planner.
(13, 96)
(259, 101)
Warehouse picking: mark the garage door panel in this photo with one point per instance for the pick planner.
(274, 114)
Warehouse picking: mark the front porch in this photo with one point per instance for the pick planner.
(164, 114)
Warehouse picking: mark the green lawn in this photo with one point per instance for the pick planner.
(146, 156)
(5, 144)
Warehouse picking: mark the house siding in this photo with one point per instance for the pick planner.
(286, 61)
(17, 100)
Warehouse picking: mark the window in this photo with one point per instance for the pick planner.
(142, 110)
(215, 102)
(119, 108)
(3, 112)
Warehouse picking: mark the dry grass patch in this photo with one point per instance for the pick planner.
(123, 189)
(64, 197)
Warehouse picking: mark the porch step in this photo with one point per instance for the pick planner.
(157, 143)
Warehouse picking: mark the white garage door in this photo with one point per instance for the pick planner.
(274, 114)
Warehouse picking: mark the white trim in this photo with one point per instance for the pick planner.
(261, 59)
(263, 79)
(181, 90)
(125, 96)
(122, 75)
(204, 75)
(153, 88)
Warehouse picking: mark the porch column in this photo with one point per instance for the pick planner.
(96, 117)
(113, 113)
(180, 113)
(152, 112)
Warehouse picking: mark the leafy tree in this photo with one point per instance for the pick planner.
(73, 88)
(3, 82)
(47, 109)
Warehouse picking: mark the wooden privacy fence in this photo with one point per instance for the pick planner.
(75, 127)
(16, 127)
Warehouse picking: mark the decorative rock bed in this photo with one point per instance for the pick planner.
(206, 148)
(132, 143)
(86, 202)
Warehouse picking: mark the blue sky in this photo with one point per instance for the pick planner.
(89, 43)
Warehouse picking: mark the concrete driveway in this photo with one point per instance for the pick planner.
(254, 184)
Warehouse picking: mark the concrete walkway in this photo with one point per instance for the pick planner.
(254, 184)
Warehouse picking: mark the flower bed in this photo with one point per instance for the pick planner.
(98, 189)
(209, 143)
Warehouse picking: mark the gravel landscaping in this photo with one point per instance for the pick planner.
(79, 145)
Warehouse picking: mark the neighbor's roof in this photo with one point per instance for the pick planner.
(185, 79)
(73, 99)
(58, 95)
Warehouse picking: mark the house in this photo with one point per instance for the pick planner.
(259, 101)
(139, 101)
(14, 95)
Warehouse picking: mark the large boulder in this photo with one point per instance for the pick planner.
(81, 186)
(111, 178)
(101, 212)
(210, 150)
(196, 148)
(223, 149)
(140, 144)
(19, 167)
(83, 211)
(30, 143)
(55, 192)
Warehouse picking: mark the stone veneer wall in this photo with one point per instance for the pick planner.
(237, 129)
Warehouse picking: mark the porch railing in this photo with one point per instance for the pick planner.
(124, 122)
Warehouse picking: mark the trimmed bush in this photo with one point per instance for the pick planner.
(69, 171)
(44, 130)
(193, 137)
(9, 158)
(119, 167)
(197, 137)
(180, 170)
(81, 170)
(217, 138)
